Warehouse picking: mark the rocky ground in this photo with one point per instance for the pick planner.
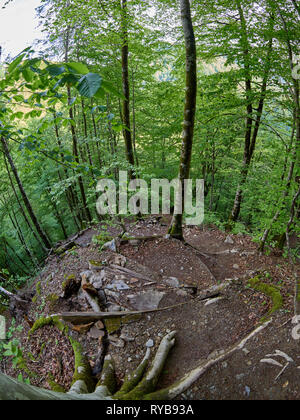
(162, 273)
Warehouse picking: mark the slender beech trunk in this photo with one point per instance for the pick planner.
(252, 126)
(14, 221)
(284, 196)
(175, 229)
(126, 89)
(86, 210)
(16, 257)
(71, 195)
(38, 239)
(77, 160)
(134, 121)
(27, 203)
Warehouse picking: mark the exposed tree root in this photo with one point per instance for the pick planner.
(140, 385)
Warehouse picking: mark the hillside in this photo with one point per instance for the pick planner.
(159, 273)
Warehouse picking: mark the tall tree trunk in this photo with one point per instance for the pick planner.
(126, 89)
(71, 195)
(27, 203)
(252, 128)
(134, 121)
(175, 229)
(86, 210)
(285, 193)
(38, 239)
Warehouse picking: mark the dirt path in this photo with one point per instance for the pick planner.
(203, 328)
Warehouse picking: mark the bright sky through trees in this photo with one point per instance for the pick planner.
(18, 26)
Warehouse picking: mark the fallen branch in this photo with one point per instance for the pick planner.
(131, 272)
(141, 238)
(12, 295)
(86, 317)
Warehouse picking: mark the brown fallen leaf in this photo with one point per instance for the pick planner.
(84, 328)
(90, 289)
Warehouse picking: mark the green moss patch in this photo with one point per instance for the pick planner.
(42, 322)
(113, 325)
(269, 290)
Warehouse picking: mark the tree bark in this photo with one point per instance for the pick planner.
(175, 229)
(251, 132)
(126, 89)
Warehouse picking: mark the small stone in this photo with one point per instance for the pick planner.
(150, 343)
(182, 293)
(95, 333)
(117, 285)
(129, 359)
(246, 351)
(247, 391)
(120, 260)
(172, 282)
(229, 240)
(236, 267)
(99, 325)
(115, 341)
(112, 246)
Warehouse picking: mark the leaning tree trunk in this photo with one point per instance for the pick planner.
(175, 229)
(27, 203)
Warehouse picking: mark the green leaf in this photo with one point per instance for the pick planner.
(109, 88)
(78, 68)
(27, 74)
(89, 84)
(15, 63)
(55, 69)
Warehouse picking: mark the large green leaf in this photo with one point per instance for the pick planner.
(79, 68)
(109, 88)
(15, 63)
(55, 69)
(89, 84)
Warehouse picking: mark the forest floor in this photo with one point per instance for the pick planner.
(169, 272)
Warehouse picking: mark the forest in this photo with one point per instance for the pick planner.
(159, 89)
